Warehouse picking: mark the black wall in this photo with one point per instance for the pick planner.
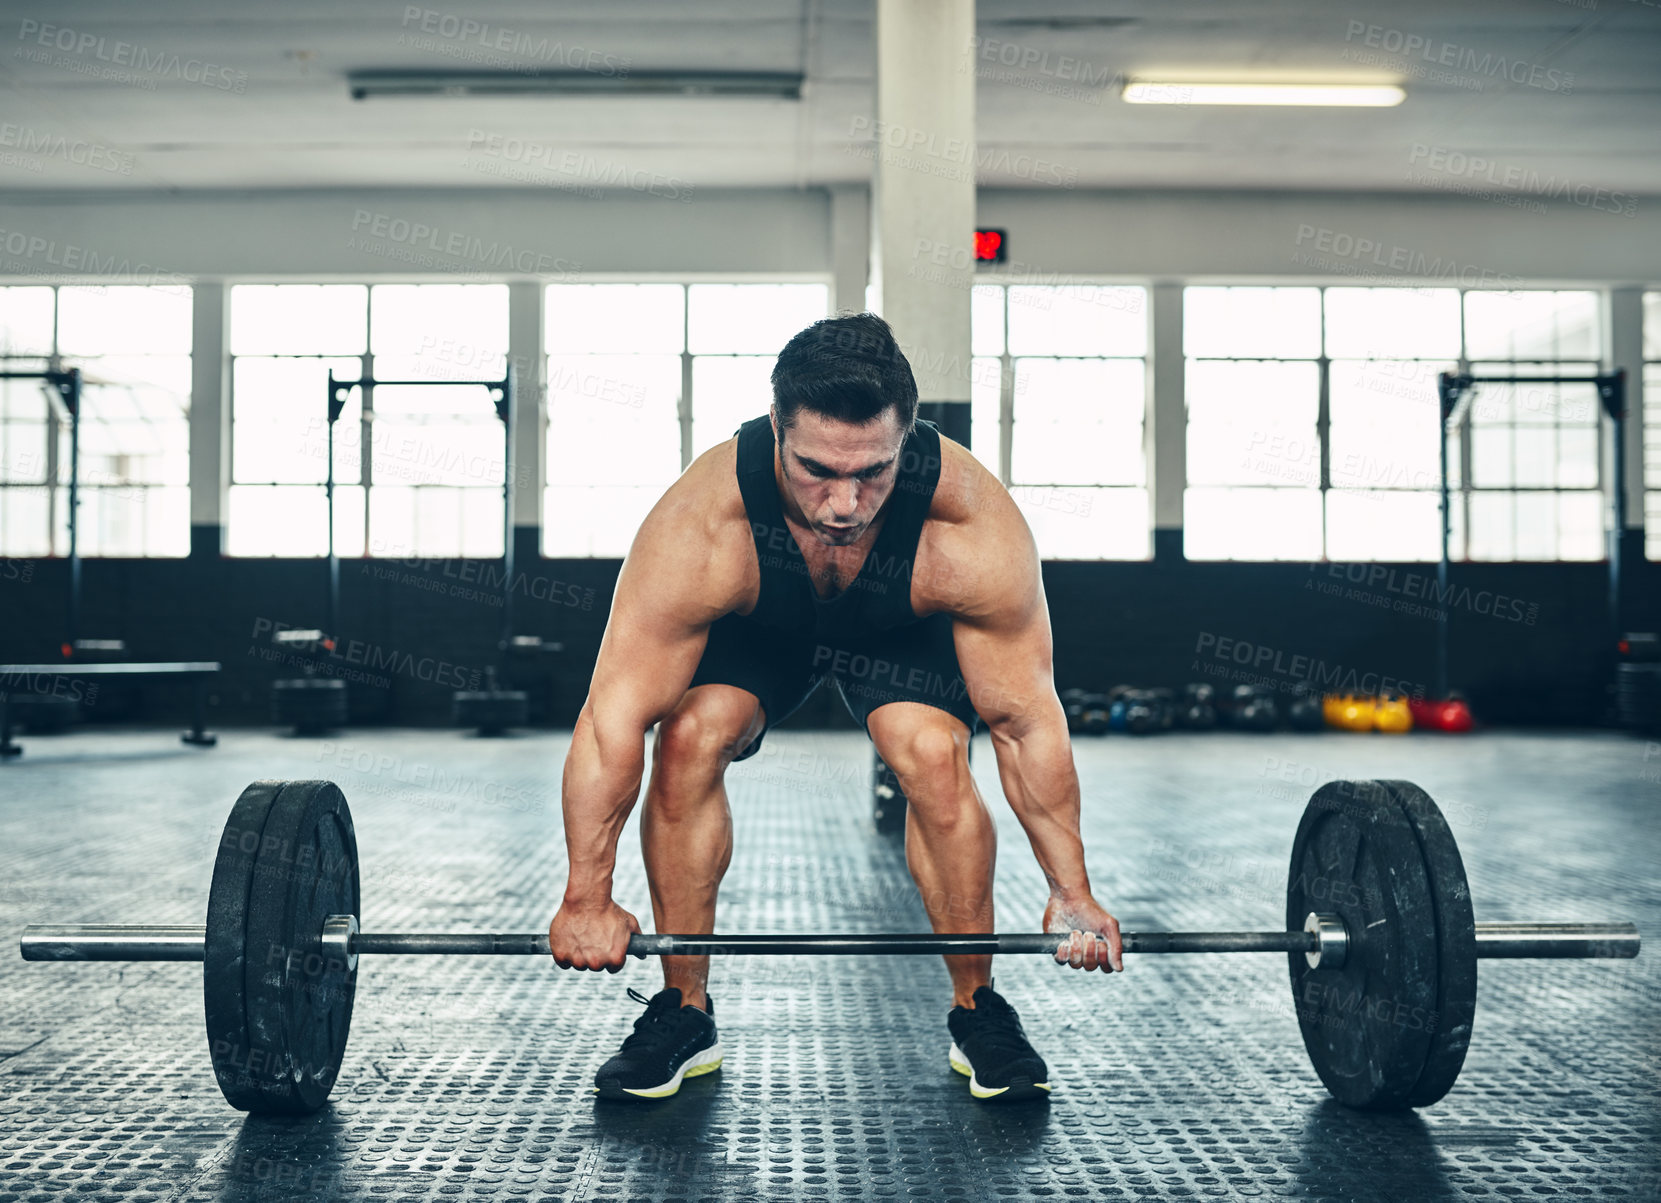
(1529, 641)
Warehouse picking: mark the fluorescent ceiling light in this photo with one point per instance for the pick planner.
(775, 85)
(1147, 91)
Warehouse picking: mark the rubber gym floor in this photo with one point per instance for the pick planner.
(470, 1077)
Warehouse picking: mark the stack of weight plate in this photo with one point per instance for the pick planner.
(1638, 696)
(311, 705)
(492, 709)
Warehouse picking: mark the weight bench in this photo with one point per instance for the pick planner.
(14, 675)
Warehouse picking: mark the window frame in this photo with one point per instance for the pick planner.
(54, 478)
(1462, 490)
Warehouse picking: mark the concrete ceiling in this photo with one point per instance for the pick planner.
(1548, 93)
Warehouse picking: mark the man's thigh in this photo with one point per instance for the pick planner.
(776, 667)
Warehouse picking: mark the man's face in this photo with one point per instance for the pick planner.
(839, 474)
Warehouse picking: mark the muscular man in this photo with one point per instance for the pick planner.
(832, 536)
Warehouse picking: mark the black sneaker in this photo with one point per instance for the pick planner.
(990, 1049)
(669, 1042)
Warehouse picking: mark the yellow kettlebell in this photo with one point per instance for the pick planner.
(1391, 714)
(1353, 713)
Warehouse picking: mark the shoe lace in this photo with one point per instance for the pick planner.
(998, 1028)
(648, 1027)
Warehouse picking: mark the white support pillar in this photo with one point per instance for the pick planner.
(210, 416)
(923, 196)
(1165, 439)
(527, 352)
(850, 248)
(1624, 348)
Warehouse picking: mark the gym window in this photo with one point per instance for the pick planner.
(1651, 425)
(1058, 398)
(1254, 448)
(418, 471)
(642, 378)
(1313, 417)
(1526, 462)
(133, 346)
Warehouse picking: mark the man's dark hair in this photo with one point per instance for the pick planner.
(849, 369)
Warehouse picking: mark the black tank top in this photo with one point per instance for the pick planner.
(879, 598)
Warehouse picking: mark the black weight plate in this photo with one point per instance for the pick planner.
(1456, 942)
(1366, 1025)
(490, 710)
(222, 959)
(309, 704)
(280, 1008)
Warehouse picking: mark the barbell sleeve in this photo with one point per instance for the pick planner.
(1496, 941)
(133, 942)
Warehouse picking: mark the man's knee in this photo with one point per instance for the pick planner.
(926, 753)
(704, 738)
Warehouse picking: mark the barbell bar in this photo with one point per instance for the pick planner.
(185, 942)
(1383, 972)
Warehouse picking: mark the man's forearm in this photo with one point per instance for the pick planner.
(598, 792)
(1035, 764)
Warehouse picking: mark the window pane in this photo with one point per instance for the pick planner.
(425, 331)
(279, 432)
(292, 521)
(435, 521)
(727, 391)
(435, 436)
(299, 319)
(134, 522)
(132, 321)
(1379, 323)
(986, 319)
(1252, 524)
(1247, 323)
(1253, 422)
(267, 521)
(1533, 404)
(597, 520)
(1367, 525)
(1536, 525)
(1531, 325)
(23, 522)
(1078, 422)
(612, 420)
(1580, 526)
(1077, 319)
(1384, 422)
(756, 319)
(1086, 524)
(349, 522)
(23, 452)
(25, 321)
(1491, 459)
(24, 398)
(623, 318)
(985, 430)
(1652, 325)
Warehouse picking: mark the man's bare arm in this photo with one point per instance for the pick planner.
(670, 590)
(684, 570)
(986, 574)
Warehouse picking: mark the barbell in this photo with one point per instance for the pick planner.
(1379, 937)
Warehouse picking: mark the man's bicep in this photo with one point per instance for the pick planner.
(1006, 659)
(655, 635)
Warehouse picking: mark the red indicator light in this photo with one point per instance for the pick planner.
(989, 246)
